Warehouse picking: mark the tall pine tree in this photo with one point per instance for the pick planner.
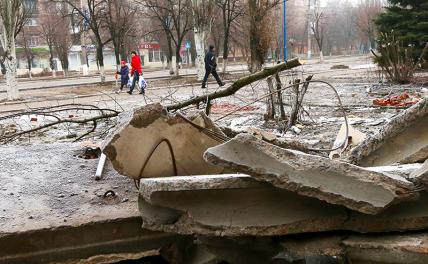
(408, 20)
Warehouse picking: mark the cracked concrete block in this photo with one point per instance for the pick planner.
(361, 249)
(420, 176)
(314, 176)
(149, 140)
(402, 170)
(412, 215)
(232, 205)
(388, 249)
(403, 140)
(238, 205)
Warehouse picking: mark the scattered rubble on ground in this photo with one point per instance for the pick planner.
(284, 192)
(246, 190)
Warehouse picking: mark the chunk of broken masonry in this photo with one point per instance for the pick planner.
(314, 176)
(420, 176)
(403, 140)
(379, 248)
(355, 137)
(231, 205)
(150, 143)
(393, 248)
(238, 205)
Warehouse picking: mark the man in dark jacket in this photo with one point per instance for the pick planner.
(124, 75)
(210, 67)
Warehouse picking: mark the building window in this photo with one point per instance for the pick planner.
(33, 41)
(155, 55)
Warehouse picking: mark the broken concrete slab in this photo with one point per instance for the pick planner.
(48, 195)
(403, 140)
(389, 249)
(314, 176)
(403, 170)
(231, 205)
(412, 215)
(353, 248)
(238, 205)
(355, 137)
(152, 143)
(420, 176)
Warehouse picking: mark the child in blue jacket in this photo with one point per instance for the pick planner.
(124, 74)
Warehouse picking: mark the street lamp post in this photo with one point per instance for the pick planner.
(284, 26)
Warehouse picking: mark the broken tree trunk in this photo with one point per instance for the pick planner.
(270, 112)
(294, 104)
(298, 99)
(279, 92)
(238, 84)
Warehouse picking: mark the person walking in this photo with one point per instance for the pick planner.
(210, 67)
(135, 71)
(124, 75)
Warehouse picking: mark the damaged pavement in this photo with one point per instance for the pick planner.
(272, 203)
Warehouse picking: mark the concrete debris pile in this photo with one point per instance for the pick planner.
(248, 201)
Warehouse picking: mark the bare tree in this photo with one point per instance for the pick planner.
(120, 20)
(175, 17)
(24, 41)
(260, 31)
(13, 15)
(61, 41)
(231, 10)
(93, 15)
(366, 13)
(48, 30)
(318, 28)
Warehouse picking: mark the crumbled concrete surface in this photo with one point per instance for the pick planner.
(46, 186)
(231, 205)
(404, 140)
(409, 248)
(129, 148)
(420, 176)
(329, 180)
(52, 209)
(412, 215)
(403, 170)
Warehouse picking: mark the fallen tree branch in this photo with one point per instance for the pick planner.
(238, 84)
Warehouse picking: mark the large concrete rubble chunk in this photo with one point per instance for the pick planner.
(329, 180)
(407, 216)
(359, 249)
(231, 205)
(150, 143)
(403, 140)
(390, 248)
(420, 176)
(238, 205)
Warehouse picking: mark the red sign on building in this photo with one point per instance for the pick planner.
(150, 46)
